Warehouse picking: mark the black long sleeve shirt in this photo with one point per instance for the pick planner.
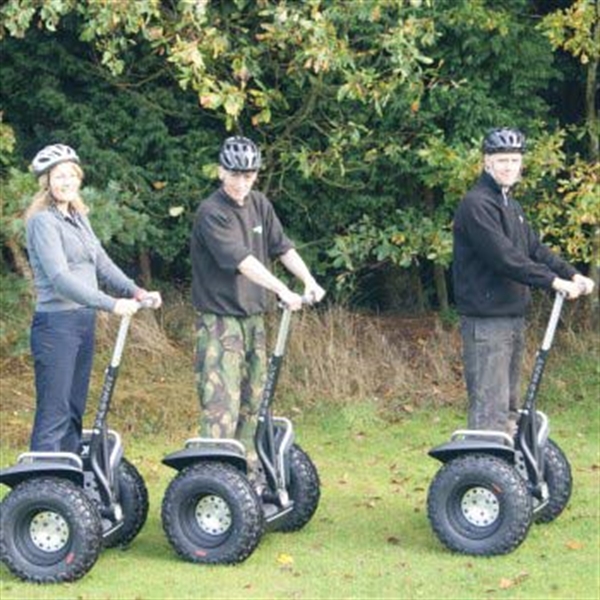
(497, 256)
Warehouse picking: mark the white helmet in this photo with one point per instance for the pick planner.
(50, 156)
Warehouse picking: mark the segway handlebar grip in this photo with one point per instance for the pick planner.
(149, 302)
(307, 300)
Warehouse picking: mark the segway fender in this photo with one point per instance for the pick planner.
(455, 448)
(22, 471)
(190, 455)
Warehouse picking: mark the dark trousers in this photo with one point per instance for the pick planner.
(492, 356)
(62, 345)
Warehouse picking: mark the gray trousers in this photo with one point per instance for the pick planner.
(492, 356)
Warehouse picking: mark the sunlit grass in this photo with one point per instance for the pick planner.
(370, 537)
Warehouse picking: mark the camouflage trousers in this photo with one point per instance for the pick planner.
(230, 370)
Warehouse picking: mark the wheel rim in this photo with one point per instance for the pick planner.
(213, 515)
(480, 506)
(49, 531)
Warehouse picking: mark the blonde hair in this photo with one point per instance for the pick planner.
(43, 199)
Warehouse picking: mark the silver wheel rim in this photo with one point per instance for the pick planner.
(213, 515)
(49, 531)
(480, 506)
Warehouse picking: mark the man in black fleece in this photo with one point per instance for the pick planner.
(497, 258)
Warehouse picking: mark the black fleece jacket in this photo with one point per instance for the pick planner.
(497, 256)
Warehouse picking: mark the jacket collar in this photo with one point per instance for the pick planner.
(489, 182)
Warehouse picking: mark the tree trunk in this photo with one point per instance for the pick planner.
(416, 285)
(593, 128)
(439, 276)
(441, 289)
(595, 275)
(145, 269)
(19, 259)
(591, 112)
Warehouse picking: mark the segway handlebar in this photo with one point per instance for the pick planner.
(553, 321)
(148, 302)
(284, 326)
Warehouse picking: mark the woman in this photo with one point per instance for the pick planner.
(68, 264)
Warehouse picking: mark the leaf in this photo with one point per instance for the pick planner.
(175, 211)
(574, 545)
(285, 559)
(506, 583)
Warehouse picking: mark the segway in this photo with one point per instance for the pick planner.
(493, 486)
(64, 507)
(212, 513)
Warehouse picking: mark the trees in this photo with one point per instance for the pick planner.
(576, 30)
(369, 113)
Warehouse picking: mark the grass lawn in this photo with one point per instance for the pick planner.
(370, 537)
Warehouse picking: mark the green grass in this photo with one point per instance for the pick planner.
(370, 537)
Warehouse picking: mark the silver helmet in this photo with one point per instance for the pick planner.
(504, 140)
(239, 154)
(50, 156)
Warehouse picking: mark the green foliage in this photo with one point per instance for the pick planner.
(18, 188)
(573, 30)
(138, 132)
(452, 168)
(410, 238)
(482, 75)
(373, 108)
(570, 219)
(7, 142)
(16, 308)
(561, 199)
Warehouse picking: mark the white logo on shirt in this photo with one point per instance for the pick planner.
(258, 229)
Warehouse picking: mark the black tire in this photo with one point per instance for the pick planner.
(557, 474)
(212, 515)
(304, 490)
(133, 497)
(478, 504)
(50, 531)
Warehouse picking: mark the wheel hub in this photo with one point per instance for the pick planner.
(480, 506)
(49, 531)
(213, 515)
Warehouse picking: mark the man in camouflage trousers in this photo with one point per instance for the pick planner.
(236, 233)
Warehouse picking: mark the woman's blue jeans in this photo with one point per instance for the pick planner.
(62, 345)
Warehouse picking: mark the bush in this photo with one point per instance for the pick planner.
(16, 308)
